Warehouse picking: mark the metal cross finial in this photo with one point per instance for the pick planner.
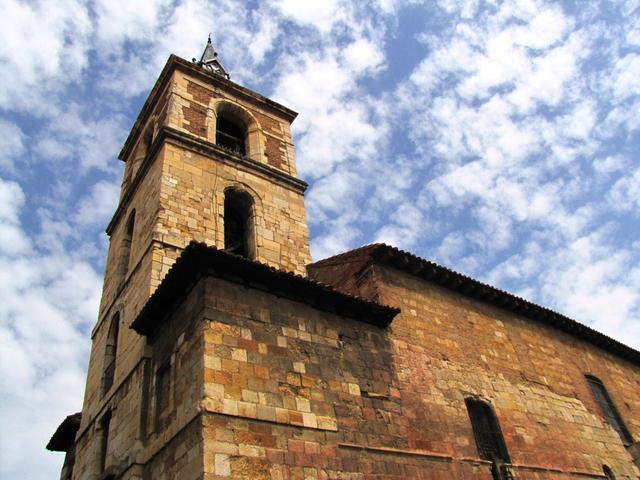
(209, 60)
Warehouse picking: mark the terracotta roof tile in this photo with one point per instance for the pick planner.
(198, 260)
(470, 287)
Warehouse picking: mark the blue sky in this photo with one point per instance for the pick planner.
(500, 139)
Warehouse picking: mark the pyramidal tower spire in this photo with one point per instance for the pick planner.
(209, 60)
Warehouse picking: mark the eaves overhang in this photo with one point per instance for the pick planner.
(64, 436)
(199, 260)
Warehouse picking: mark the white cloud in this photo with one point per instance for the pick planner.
(624, 78)
(610, 164)
(74, 135)
(321, 15)
(43, 47)
(404, 229)
(122, 20)
(363, 55)
(544, 30)
(98, 207)
(11, 144)
(625, 193)
(47, 303)
(336, 124)
(12, 239)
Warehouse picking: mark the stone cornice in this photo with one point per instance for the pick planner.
(216, 153)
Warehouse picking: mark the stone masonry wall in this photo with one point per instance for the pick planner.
(295, 393)
(173, 434)
(291, 392)
(448, 346)
(193, 110)
(124, 295)
(192, 208)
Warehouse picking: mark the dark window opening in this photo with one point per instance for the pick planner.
(104, 443)
(162, 395)
(237, 223)
(111, 349)
(608, 472)
(230, 135)
(125, 246)
(147, 139)
(609, 410)
(163, 388)
(486, 430)
(128, 239)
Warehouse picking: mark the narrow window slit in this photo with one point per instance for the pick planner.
(238, 228)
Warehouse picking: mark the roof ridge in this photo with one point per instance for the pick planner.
(477, 289)
(348, 253)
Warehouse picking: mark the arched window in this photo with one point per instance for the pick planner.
(110, 351)
(230, 133)
(608, 472)
(238, 223)
(125, 247)
(608, 408)
(486, 430)
(142, 149)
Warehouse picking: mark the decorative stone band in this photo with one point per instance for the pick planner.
(217, 153)
(266, 413)
(443, 457)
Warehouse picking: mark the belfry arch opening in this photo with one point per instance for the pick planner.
(237, 131)
(231, 134)
(110, 352)
(239, 231)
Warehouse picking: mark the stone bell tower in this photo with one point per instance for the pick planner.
(206, 160)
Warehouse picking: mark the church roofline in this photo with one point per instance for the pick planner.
(173, 63)
(64, 436)
(470, 287)
(199, 260)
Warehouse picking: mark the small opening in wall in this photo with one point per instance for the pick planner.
(110, 352)
(127, 240)
(105, 422)
(163, 388)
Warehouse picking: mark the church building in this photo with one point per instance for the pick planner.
(221, 352)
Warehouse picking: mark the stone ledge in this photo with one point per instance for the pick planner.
(268, 414)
